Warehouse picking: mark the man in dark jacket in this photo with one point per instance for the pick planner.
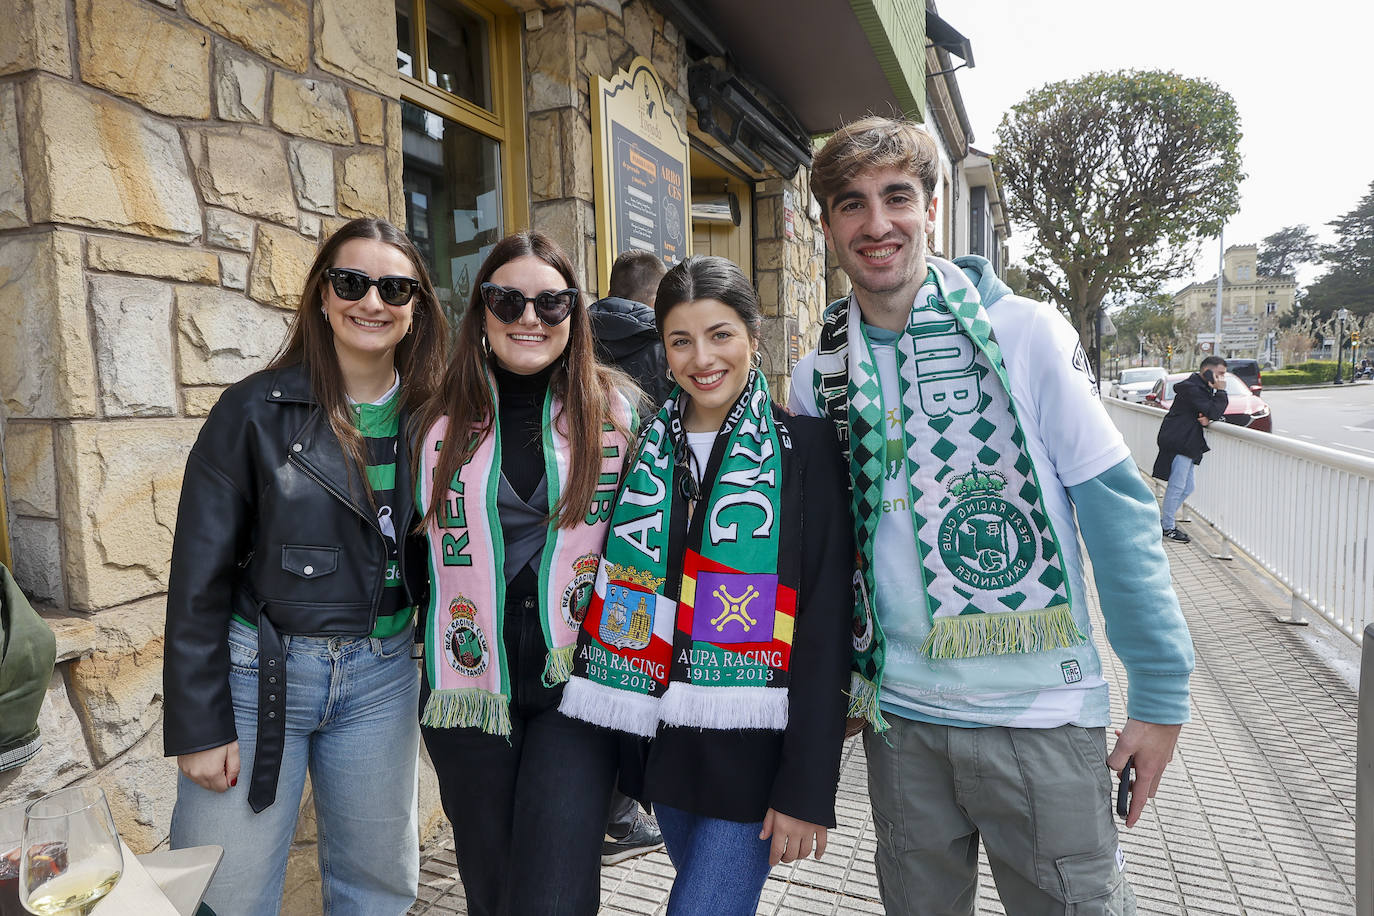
(1198, 400)
(623, 324)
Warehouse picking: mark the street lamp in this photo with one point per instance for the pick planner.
(1341, 314)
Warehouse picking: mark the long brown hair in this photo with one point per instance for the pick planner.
(585, 387)
(310, 342)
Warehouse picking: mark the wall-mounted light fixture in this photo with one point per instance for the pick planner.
(730, 113)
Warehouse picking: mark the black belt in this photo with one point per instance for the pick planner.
(262, 791)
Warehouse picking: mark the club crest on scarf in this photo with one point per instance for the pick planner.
(984, 540)
(578, 594)
(465, 645)
(627, 618)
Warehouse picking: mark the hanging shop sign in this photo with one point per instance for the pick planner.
(640, 165)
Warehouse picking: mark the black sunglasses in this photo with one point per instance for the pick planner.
(353, 285)
(509, 304)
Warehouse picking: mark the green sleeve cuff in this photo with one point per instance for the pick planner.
(1158, 698)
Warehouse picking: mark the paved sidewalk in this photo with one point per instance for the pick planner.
(1255, 816)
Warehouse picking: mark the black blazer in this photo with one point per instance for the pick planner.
(274, 521)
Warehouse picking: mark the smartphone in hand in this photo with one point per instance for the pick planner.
(1123, 789)
(1208, 377)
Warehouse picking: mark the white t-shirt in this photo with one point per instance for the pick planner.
(1070, 440)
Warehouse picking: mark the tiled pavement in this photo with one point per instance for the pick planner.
(1255, 816)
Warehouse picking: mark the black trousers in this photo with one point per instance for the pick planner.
(528, 813)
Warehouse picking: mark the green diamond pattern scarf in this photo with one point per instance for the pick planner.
(992, 567)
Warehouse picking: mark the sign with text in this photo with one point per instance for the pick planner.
(640, 166)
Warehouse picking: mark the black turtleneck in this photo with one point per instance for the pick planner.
(520, 413)
(521, 416)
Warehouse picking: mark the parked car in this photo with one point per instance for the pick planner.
(1134, 384)
(1249, 372)
(1243, 408)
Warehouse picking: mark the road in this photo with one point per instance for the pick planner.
(1338, 416)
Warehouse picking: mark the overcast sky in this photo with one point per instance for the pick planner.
(1301, 75)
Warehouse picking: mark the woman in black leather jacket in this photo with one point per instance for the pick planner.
(293, 587)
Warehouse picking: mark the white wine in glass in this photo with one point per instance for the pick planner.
(70, 856)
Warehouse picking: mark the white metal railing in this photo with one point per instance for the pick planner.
(1301, 511)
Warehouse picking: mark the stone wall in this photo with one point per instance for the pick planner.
(565, 49)
(166, 172)
(789, 262)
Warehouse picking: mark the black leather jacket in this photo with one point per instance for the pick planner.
(274, 525)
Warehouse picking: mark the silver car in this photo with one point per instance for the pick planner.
(1134, 384)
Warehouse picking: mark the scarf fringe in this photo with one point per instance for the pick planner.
(468, 708)
(863, 702)
(724, 707)
(609, 707)
(558, 666)
(1006, 633)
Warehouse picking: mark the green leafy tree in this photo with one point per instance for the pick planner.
(1118, 175)
(1280, 254)
(1015, 277)
(1350, 281)
(1147, 323)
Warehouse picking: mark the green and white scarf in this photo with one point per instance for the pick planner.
(465, 653)
(708, 644)
(993, 569)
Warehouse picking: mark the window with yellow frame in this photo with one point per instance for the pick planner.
(462, 136)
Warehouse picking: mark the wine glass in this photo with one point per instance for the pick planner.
(70, 855)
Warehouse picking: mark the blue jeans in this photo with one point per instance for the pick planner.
(350, 719)
(1179, 489)
(721, 865)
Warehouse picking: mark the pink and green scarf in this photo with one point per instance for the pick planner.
(465, 657)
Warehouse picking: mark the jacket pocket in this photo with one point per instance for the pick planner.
(309, 562)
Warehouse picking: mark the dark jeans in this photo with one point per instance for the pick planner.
(528, 813)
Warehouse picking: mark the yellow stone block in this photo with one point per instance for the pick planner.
(281, 262)
(363, 189)
(47, 366)
(34, 37)
(129, 48)
(92, 160)
(275, 29)
(152, 259)
(120, 483)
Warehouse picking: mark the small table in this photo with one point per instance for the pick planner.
(162, 883)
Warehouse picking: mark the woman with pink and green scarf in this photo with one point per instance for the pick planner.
(519, 461)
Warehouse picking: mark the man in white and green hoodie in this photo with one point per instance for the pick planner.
(975, 436)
